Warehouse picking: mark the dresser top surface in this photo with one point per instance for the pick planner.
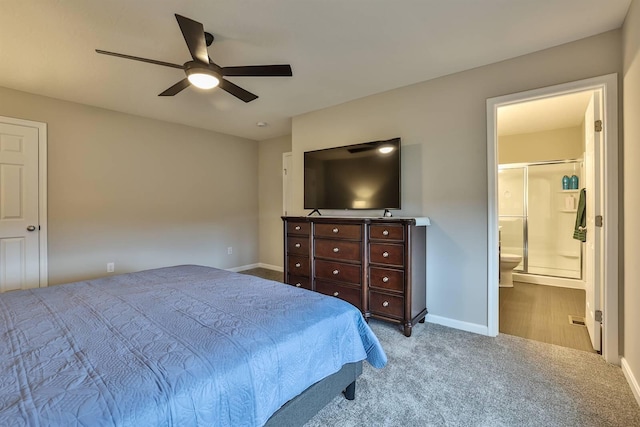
(418, 221)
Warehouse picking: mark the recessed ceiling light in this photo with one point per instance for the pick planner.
(262, 124)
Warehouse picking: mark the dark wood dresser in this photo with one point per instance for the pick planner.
(376, 264)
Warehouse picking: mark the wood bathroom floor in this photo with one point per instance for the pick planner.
(541, 313)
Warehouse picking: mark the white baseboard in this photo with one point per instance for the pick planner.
(631, 379)
(243, 267)
(560, 282)
(457, 324)
(257, 265)
(271, 267)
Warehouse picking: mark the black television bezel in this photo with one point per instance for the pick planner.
(396, 140)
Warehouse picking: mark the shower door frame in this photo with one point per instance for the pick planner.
(525, 216)
(607, 85)
(525, 212)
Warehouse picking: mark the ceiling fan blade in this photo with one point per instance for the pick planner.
(193, 33)
(237, 91)
(136, 58)
(258, 71)
(176, 88)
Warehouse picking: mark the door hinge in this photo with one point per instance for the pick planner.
(598, 220)
(598, 316)
(598, 126)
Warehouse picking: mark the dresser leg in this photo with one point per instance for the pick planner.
(407, 330)
(422, 320)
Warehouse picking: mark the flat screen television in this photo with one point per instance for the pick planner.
(361, 176)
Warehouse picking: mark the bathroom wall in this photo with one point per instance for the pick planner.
(555, 144)
(552, 251)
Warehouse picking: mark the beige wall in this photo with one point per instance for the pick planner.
(556, 144)
(270, 200)
(442, 123)
(631, 160)
(141, 193)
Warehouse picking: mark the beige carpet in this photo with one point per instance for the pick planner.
(446, 377)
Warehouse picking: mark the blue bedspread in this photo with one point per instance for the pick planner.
(177, 346)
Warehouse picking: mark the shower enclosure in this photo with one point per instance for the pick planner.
(537, 217)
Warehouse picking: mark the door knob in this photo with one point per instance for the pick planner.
(31, 228)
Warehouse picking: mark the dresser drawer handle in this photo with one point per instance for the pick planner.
(385, 233)
(336, 293)
(385, 304)
(335, 230)
(385, 279)
(298, 285)
(385, 254)
(297, 228)
(298, 265)
(336, 250)
(336, 272)
(298, 245)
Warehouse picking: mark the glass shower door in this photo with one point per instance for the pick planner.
(551, 214)
(512, 212)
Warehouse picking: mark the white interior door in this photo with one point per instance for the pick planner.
(19, 210)
(593, 245)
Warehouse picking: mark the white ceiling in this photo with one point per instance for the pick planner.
(558, 112)
(339, 50)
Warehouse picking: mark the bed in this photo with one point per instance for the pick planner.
(182, 346)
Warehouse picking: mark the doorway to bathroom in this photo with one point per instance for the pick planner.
(545, 140)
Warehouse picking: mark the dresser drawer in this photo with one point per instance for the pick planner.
(298, 228)
(347, 293)
(338, 271)
(298, 245)
(386, 279)
(298, 266)
(386, 253)
(386, 232)
(386, 305)
(338, 249)
(299, 282)
(339, 231)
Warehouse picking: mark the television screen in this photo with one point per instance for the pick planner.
(361, 176)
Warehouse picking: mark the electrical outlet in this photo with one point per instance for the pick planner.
(229, 250)
(111, 267)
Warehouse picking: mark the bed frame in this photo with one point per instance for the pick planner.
(303, 407)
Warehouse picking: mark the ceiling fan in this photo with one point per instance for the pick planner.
(202, 72)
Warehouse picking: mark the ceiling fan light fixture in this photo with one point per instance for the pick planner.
(201, 76)
(202, 79)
